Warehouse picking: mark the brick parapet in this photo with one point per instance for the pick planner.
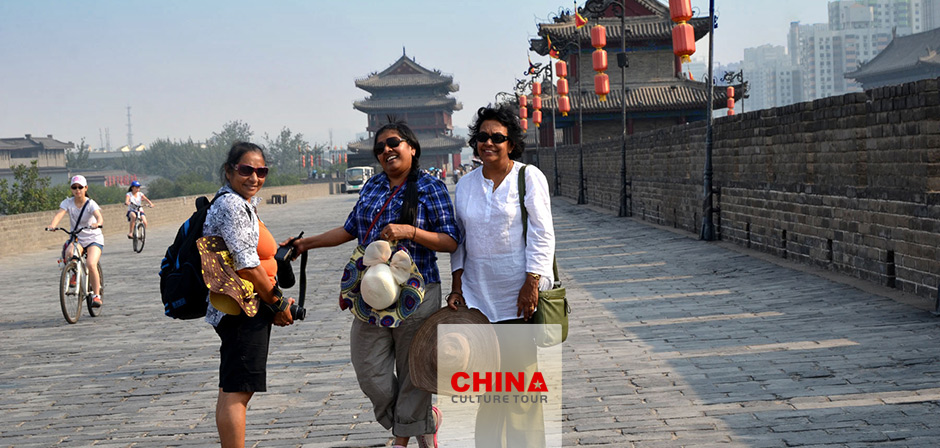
(848, 183)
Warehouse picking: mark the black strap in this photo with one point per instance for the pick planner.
(303, 278)
(80, 214)
(525, 221)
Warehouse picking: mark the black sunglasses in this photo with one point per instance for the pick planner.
(496, 137)
(246, 170)
(77, 187)
(391, 142)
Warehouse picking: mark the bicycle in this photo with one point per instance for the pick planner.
(73, 282)
(140, 230)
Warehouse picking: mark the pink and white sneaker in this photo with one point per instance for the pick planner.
(430, 440)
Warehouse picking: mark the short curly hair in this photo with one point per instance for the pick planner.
(507, 116)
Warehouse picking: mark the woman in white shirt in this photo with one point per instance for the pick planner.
(133, 200)
(91, 239)
(495, 269)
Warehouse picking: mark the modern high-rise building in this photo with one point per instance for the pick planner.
(857, 31)
(925, 15)
(774, 80)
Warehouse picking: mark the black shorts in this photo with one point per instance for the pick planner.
(244, 351)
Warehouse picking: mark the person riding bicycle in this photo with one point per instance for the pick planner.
(91, 240)
(133, 202)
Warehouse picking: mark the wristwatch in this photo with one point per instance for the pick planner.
(281, 304)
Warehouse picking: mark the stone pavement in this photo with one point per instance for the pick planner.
(674, 342)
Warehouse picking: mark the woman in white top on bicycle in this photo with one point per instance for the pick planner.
(133, 202)
(91, 239)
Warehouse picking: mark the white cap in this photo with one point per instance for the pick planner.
(79, 179)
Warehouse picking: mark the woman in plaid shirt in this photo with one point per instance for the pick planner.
(413, 208)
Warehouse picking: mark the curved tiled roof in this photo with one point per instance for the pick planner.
(903, 53)
(423, 102)
(639, 30)
(675, 95)
(406, 73)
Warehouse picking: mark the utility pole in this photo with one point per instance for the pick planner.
(130, 135)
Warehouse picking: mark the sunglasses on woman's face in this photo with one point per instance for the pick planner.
(77, 187)
(496, 137)
(247, 170)
(391, 142)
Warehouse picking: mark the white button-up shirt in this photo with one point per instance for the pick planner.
(494, 257)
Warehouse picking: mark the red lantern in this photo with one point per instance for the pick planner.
(525, 125)
(562, 86)
(522, 102)
(600, 60)
(730, 92)
(730, 103)
(680, 10)
(523, 113)
(561, 69)
(537, 117)
(598, 36)
(730, 112)
(683, 41)
(537, 102)
(602, 85)
(564, 105)
(536, 88)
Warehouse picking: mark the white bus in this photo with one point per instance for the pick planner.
(357, 176)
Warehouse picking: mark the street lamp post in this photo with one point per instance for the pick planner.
(594, 9)
(538, 70)
(708, 225)
(563, 47)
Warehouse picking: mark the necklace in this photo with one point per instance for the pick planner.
(498, 181)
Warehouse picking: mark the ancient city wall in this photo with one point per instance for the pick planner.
(24, 232)
(848, 183)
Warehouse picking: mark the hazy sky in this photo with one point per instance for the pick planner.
(186, 67)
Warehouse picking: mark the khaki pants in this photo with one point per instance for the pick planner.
(380, 358)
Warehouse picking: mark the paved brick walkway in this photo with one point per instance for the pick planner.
(674, 342)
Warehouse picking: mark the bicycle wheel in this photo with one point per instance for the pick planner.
(70, 296)
(95, 312)
(140, 235)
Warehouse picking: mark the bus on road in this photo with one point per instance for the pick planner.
(357, 176)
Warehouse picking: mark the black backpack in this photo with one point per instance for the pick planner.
(181, 285)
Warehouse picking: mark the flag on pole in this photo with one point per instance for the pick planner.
(551, 51)
(579, 20)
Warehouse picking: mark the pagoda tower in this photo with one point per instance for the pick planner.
(657, 93)
(421, 98)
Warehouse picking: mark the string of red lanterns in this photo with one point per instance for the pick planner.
(730, 92)
(537, 103)
(523, 113)
(683, 35)
(601, 80)
(564, 104)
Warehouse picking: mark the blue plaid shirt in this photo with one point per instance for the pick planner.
(435, 214)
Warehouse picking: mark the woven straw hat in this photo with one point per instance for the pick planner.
(470, 345)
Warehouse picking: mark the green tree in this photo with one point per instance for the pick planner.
(29, 192)
(77, 158)
(284, 151)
